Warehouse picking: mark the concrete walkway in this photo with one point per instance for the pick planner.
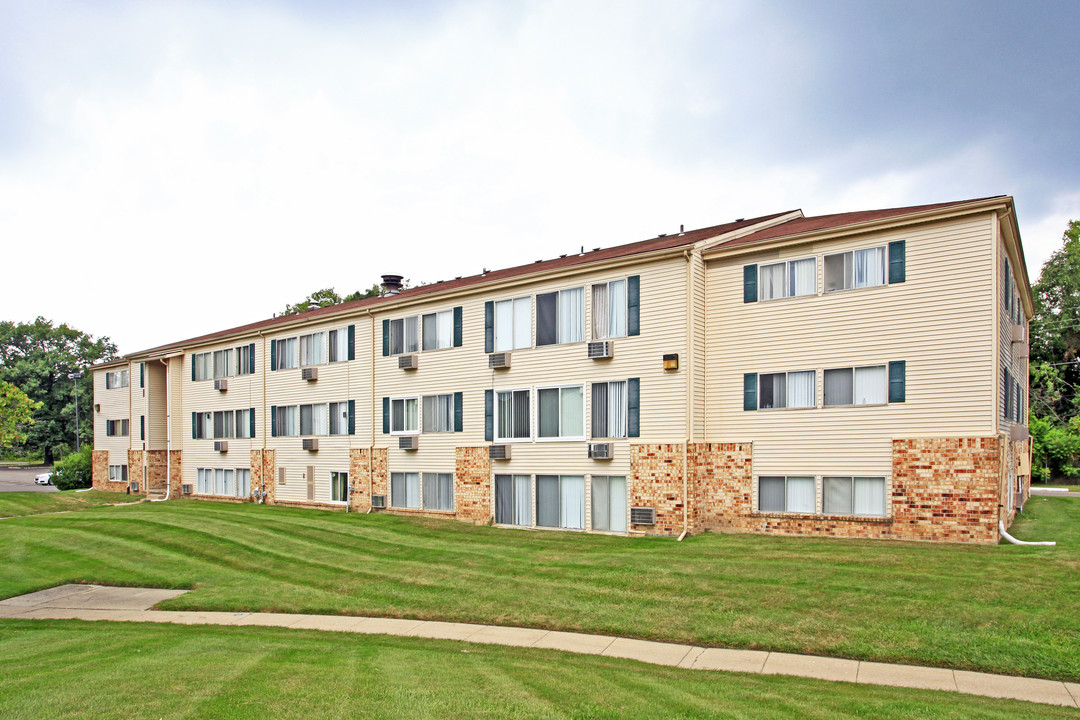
(1053, 492)
(97, 602)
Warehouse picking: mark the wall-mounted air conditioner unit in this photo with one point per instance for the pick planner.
(408, 442)
(221, 385)
(407, 362)
(1019, 334)
(601, 451)
(221, 446)
(311, 444)
(499, 452)
(1023, 350)
(1018, 432)
(601, 349)
(309, 373)
(378, 501)
(499, 361)
(134, 486)
(186, 489)
(642, 516)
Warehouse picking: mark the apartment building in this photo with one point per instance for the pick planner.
(853, 375)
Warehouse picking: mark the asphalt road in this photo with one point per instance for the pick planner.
(12, 480)
(1043, 492)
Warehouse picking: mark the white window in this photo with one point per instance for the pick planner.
(287, 353)
(561, 412)
(560, 317)
(857, 386)
(339, 486)
(860, 268)
(404, 335)
(787, 279)
(512, 415)
(438, 491)
(513, 500)
(609, 310)
(204, 425)
(224, 482)
(204, 481)
(313, 349)
(223, 424)
(287, 424)
(404, 415)
(560, 501)
(787, 390)
(116, 428)
(796, 494)
(116, 379)
(438, 413)
(513, 324)
(339, 418)
(204, 365)
(854, 495)
(118, 473)
(438, 330)
(339, 345)
(314, 420)
(609, 409)
(609, 503)
(243, 483)
(243, 423)
(224, 363)
(243, 361)
(405, 490)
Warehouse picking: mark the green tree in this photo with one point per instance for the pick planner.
(16, 415)
(1055, 329)
(74, 470)
(327, 297)
(38, 357)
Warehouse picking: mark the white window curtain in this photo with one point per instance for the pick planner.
(771, 281)
(572, 412)
(438, 412)
(339, 345)
(572, 315)
(445, 329)
(522, 329)
(548, 411)
(838, 387)
(438, 491)
(617, 308)
(291, 424)
(870, 267)
(869, 496)
(320, 421)
(773, 391)
(802, 389)
(513, 500)
(572, 502)
(397, 337)
(600, 312)
(412, 331)
(243, 483)
(617, 409)
(505, 410)
(547, 500)
(609, 503)
(504, 325)
(803, 277)
(800, 495)
(837, 495)
(219, 481)
(871, 385)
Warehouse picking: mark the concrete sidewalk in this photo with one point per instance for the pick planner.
(96, 602)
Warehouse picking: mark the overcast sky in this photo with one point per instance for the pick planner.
(171, 169)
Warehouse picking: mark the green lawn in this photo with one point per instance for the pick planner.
(70, 669)
(34, 503)
(1003, 609)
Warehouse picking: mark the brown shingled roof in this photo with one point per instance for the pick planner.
(803, 225)
(662, 242)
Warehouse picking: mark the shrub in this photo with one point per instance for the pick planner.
(75, 470)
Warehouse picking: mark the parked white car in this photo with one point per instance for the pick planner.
(44, 478)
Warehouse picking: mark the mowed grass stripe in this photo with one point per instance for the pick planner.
(999, 609)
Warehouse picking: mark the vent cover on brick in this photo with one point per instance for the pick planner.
(499, 452)
(186, 489)
(601, 349)
(408, 442)
(499, 361)
(309, 373)
(378, 501)
(407, 362)
(642, 516)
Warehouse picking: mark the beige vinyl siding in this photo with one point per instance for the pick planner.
(940, 321)
(697, 363)
(157, 412)
(115, 405)
(1008, 352)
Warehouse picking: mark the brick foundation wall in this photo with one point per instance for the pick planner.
(656, 481)
(99, 473)
(264, 472)
(472, 484)
(947, 489)
(135, 469)
(724, 478)
(175, 469)
(367, 476)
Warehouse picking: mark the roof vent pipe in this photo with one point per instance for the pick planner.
(391, 284)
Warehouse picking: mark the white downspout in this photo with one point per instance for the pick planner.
(1014, 541)
(689, 394)
(168, 432)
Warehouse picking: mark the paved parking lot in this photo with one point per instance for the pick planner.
(22, 480)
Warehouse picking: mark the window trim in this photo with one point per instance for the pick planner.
(626, 411)
(347, 489)
(117, 379)
(495, 416)
(853, 368)
(558, 311)
(419, 489)
(453, 495)
(787, 278)
(122, 471)
(885, 269)
(513, 314)
(786, 373)
(606, 284)
(420, 330)
(561, 438)
(884, 495)
(817, 492)
(419, 419)
(423, 415)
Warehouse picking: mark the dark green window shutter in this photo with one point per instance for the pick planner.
(251, 359)
(1008, 394)
(633, 407)
(251, 422)
(457, 326)
(352, 417)
(489, 415)
(142, 427)
(459, 417)
(749, 391)
(273, 354)
(749, 283)
(385, 337)
(194, 435)
(108, 378)
(897, 380)
(386, 416)
(273, 421)
(192, 367)
(897, 255)
(1005, 286)
(142, 374)
(633, 305)
(352, 342)
(489, 326)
